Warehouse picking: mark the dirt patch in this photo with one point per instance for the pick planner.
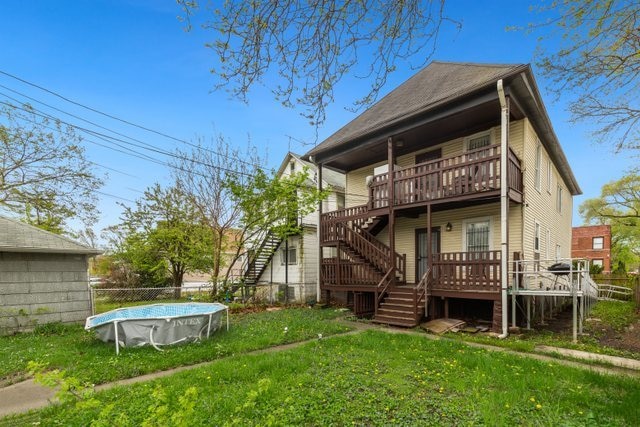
(627, 339)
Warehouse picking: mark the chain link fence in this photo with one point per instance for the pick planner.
(106, 299)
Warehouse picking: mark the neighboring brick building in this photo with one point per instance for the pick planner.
(593, 242)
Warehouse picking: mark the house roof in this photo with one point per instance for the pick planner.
(16, 236)
(436, 84)
(336, 180)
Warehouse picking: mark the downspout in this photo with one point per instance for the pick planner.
(504, 207)
(318, 230)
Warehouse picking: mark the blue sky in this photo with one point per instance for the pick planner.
(133, 60)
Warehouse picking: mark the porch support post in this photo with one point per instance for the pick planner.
(391, 193)
(319, 229)
(429, 254)
(504, 205)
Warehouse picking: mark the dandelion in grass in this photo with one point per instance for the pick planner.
(538, 406)
(533, 399)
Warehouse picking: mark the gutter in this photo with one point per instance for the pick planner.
(504, 207)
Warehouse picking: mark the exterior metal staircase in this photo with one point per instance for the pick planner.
(260, 258)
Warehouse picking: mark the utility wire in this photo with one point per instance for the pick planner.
(51, 92)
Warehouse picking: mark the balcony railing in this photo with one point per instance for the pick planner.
(466, 271)
(470, 173)
(450, 272)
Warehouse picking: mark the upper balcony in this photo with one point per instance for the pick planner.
(473, 174)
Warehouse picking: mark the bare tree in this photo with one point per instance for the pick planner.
(307, 47)
(203, 173)
(591, 53)
(44, 174)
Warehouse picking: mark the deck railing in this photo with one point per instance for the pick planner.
(466, 271)
(475, 171)
(346, 272)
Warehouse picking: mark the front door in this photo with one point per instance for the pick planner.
(422, 263)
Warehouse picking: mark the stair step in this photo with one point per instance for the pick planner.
(407, 323)
(397, 307)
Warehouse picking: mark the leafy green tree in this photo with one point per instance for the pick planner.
(619, 206)
(44, 174)
(162, 237)
(307, 47)
(589, 51)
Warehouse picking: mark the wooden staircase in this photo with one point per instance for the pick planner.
(401, 307)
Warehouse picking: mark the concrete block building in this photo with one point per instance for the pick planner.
(43, 277)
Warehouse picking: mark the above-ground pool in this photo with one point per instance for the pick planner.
(158, 324)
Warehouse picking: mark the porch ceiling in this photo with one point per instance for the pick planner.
(464, 118)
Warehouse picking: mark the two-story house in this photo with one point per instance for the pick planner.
(449, 178)
(290, 266)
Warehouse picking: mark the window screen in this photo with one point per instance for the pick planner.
(477, 234)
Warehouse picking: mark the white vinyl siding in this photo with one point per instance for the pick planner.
(541, 206)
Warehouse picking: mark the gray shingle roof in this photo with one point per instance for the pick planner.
(16, 236)
(437, 83)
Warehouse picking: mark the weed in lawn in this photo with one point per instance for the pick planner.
(375, 378)
(81, 355)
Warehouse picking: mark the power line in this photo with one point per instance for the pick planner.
(51, 92)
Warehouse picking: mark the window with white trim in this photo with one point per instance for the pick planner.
(478, 141)
(477, 233)
(538, 177)
(549, 175)
(558, 252)
(559, 199)
(598, 243)
(536, 237)
(293, 260)
(548, 244)
(598, 262)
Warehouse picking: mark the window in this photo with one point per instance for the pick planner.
(559, 199)
(597, 262)
(478, 141)
(549, 175)
(537, 170)
(536, 237)
(558, 252)
(292, 167)
(477, 234)
(292, 254)
(429, 156)
(598, 243)
(340, 201)
(548, 244)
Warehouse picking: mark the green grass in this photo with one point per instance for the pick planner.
(85, 357)
(376, 378)
(617, 314)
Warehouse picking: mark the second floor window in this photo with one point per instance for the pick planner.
(559, 199)
(538, 177)
(478, 142)
(536, 238)
(598, 243)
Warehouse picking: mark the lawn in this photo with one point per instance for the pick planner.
(372, 378)
(83, 356)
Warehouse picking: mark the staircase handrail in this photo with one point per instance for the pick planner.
(422, 289)
(400, 259)
(251, 261)
(384, 284)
